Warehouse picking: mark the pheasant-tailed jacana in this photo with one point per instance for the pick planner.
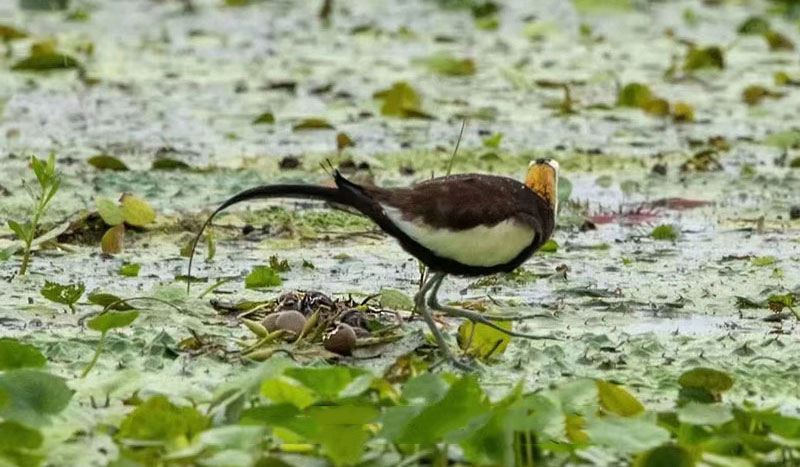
(465, 225)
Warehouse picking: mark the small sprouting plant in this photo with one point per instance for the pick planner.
(49, 181)
(665, 232)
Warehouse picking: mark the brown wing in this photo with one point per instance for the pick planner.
(463, 201)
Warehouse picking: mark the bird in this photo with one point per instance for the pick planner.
(460, 225)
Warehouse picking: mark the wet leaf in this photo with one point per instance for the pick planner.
(130, 269)
(394, 299)
(615, 399)
(447, 65)
(657, 106)
(343, 141)
(34, 396)
(754, 94)
(401, 100)
(665, 456)
(112, 320)
(483, 341)
(313, 124)
(166, 163)
(634, 95)
(626, 435)
(665, 232)
(46, 61)
(267, 118)
(15, 354)
(113, 240)
(106, 299)
(695, 413)
(109, 211)
(262, 276)
(699, 58)
(67, 294)
(106, 162)
(712, 380)
(550, 246)
(754, 25)
(777, 302)
(137, 212)
(777, 41)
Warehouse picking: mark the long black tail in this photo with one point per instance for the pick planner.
(269, 191)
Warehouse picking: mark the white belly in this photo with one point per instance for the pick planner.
(478, 246)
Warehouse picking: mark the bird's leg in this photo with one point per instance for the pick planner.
(421, 307)
(433, 303)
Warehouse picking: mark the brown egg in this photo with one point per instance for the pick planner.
(270, 322)
(291, 321)
(341, 340)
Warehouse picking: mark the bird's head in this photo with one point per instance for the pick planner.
(542, 178)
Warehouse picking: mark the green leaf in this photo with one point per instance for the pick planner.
(284, 390)
(626, 435)
(136, 211)
(665, 232)
(106, 162)
(40, 170)
(130, 269)
(265, 118)
(34, 396)
(447, 65)
(15, 354)
(665, 456)
(493, 141)
(761, 261)
(278, 265)
(394, 299)
(46, 61)
(342, 432)
(426, 388)
(483, 341)
(784, 139)
(105, 299)
(262, 276)
(704, 57)
(712, 380)
(109, 211)
(401, 100)
(156, 427)
(696, 413)
(113, 241)
(754, 25)
(616, 400)
(327, 383)
(23, 231)
(15, 436)
(550, 246)
(166, 163)
(8, 252)
(634, 95)
(463, 402)
(67, 294)
(313, 124)
(112, 320)
(10, 33)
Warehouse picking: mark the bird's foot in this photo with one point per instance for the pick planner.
(479, 318)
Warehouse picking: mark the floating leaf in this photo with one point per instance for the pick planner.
(34, 396)
(483, 341)
(634, 95)
(447, 65)
(109, 211)
(777, 41)
(665, 456)
(394, 299)
(754, 25)
(401, 100)
(762, 261)
(10, 33)
(313, 124)
(657, 106)
(137, 212)
(130, 269)
(278, 265)
(626, 435)
(166, 163)
(113, 240)
(112, 320)
(15, 354)
(343, 141)
(695, 413)
(106, 299)
(704, 57)
(550, 246)
(262, 276)
(784, 139)
(682, 112)
(65, 294)
(754, 94)
(493, 141)
(665, 232)
(712, 380)
(106, 162)
(265, 118)
(615, 399)
(46, 62)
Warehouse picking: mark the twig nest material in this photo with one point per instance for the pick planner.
(270, 322)
(341, 340)
(293, 321)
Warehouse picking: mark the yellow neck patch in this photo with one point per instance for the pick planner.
(542, 178)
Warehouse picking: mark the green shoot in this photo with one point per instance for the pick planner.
(49, 181)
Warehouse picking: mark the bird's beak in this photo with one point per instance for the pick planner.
(542, 178)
